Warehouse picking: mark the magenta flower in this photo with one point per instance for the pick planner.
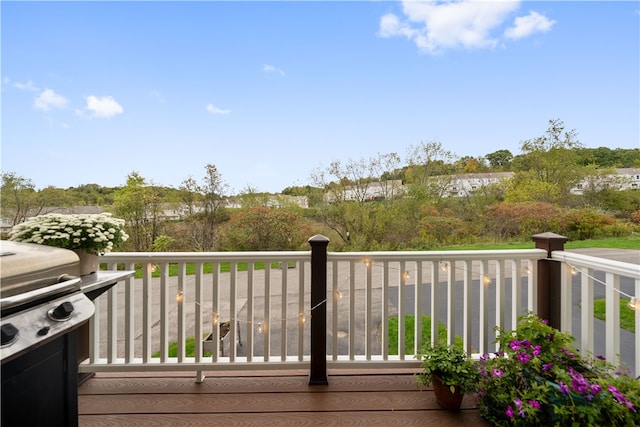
(547, 366)
(537, 350)
(523, 358)
(515, 345)
(497, 373)
(518, 403)
(535, 404)
(579, 383)
(509, 411)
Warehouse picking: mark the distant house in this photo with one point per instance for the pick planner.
(461, 185)
(623, 179)
(379, 190)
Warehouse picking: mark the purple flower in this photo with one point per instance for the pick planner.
(525, 343)
(535, 404)
(595, 388)
(616, 393)
(518, 403)
(515, 345)
(620, 398)
(537, 350)
(523, 358)
(601, 357)
(545, 321)
(547, 366)
(563, 388)
(497, 373)
(579, 383)
(509, 411)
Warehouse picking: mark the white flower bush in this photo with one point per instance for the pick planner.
(96, 233)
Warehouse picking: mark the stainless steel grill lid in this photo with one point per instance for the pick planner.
(25, 267)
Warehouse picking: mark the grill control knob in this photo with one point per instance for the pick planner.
(9, 334)
(61, 312)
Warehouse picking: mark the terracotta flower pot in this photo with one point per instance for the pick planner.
(444, 397)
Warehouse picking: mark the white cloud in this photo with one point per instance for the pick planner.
(104, 107)
(435, 26)
(215, 110)
(524, 26)
(270, 69)
(29, 85)
(48, 99)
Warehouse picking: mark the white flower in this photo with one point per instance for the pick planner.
(96, 233)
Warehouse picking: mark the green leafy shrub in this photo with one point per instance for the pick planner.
(538, 378)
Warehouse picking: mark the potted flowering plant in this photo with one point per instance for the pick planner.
(93, 234)
(451, 372)
(539, 378)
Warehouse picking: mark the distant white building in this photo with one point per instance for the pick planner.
(623, 179)
(381, 190)
(465, 184)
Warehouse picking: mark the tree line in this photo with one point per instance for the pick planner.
(536, 199)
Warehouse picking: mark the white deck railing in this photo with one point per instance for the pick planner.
(268, 308)
(599, 278)
(265, 298)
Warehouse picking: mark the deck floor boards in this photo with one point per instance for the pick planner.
(265, 399)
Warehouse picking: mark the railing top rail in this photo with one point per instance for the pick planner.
(599, 264)
(439, 255)
(207, 256)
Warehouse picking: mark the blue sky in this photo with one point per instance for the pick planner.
(270, 91)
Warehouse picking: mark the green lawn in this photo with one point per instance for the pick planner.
(627, 315)
(409, 335)
(190, 345)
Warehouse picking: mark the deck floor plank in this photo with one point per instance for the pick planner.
(265, 400)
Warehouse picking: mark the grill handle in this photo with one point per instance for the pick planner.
(64, 283)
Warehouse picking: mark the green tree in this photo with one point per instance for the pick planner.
(203, 205)
(265, 229)
(17, 198)
(500, 159)
(429, 174)
(548, 166)
(138, 203)
(356, 197)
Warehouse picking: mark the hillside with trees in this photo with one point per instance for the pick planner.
(413, 208)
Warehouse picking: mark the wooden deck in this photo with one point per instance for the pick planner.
(352, 398)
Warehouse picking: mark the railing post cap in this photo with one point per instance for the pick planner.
(549, 236)
(318, 239)
(549, 242)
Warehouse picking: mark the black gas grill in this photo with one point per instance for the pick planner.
(43, 304)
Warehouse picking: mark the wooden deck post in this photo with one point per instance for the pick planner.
(549, 280)
(318, 366)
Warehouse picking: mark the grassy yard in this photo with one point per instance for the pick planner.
(189, 349)
(627, 315)
(409, 333)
